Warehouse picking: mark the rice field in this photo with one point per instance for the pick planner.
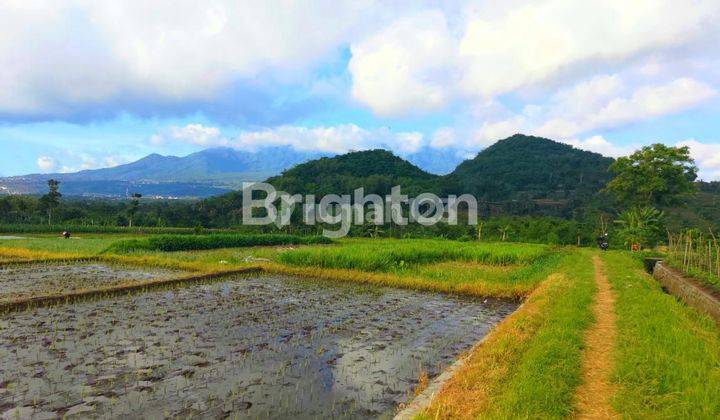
(18, 281)
(253, 347)
(355, 328)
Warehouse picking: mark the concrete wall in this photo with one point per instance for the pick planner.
(687, 291)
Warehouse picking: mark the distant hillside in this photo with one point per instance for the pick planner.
(526, 167)
(205, 173)
(375, 170)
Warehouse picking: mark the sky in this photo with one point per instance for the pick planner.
(96, 83)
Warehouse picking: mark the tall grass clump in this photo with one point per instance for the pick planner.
(398, 254)
(696, 254)
(169, 243)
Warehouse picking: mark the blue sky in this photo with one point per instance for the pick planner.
(88, 84)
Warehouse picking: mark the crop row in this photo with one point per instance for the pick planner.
(198, 242)
(390, 255)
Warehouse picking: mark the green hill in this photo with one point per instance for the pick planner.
(377, 171)
(526, 167)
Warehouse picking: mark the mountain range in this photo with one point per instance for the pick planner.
(519, 165)
(205, 173)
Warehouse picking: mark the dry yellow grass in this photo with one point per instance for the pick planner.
(405, 282)
(22, 254)
(592, 398)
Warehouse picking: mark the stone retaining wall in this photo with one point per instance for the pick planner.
(687, 291)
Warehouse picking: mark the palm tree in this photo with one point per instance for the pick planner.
(640, 226)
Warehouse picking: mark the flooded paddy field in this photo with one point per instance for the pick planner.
(28, 280)
(244, 347)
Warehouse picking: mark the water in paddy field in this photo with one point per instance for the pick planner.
(27, 280)
(264, 347)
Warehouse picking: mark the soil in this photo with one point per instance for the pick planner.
(593, 395)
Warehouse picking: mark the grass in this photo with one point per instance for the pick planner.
(452, 267)
(389, 255)
(168, 243)
(668, 355)
(529, 366)
(84, 245)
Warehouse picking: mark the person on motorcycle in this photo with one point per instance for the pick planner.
(602, 241)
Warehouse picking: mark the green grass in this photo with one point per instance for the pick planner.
(85, 245)
(389, 255)
(169, 243)
(668, 355)
(530, 365)
(549, 370)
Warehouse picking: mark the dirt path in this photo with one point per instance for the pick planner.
(592, 400)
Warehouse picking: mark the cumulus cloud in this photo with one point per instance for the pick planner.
(196, 134)
(580, 113)
(332, 139)
(498, 49)
(602, 102)
(707, 157)
(406, 57)
(63, 55)
(405, 66)
(46, 163)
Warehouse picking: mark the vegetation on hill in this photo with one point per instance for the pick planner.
(529, 189)
(377, 171)
(525, 168)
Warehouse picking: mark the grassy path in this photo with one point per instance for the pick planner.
(667, 362)
(593, 395)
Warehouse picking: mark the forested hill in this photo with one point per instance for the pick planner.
(377, 171)
(519, 168)
(527, 167)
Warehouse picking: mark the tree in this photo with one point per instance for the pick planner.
(655, 175)
(643, 226)
(132, 210)
(51, 201)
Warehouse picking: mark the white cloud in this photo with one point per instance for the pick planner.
(197, 134)
(63, 54)
(598, 144)
(405, 66)
(333, 139)
(707, 157)
(46, 163)
(443, 137)
(499, 49)
(578, 112)
(85, 161)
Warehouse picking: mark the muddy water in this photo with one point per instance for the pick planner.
(27, 280)
(269, 347)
